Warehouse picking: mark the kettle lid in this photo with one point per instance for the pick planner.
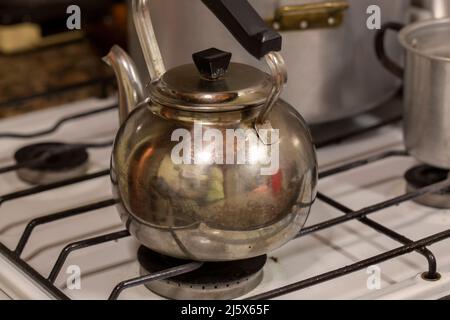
(212, 84)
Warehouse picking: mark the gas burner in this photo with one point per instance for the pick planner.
(214, 280)
(423, 176)
(46, 163)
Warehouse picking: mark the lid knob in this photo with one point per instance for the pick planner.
(212, 63)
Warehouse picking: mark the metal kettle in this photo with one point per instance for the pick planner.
(210, 165)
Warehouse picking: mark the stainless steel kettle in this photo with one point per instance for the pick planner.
(211, 165)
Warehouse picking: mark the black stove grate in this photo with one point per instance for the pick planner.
(407, 245)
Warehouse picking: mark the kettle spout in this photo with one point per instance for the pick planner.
(131, 89)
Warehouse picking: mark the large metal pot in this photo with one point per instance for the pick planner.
(427, 88)
(428, 9)
(333, 69)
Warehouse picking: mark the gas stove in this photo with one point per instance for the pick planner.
(376, 231)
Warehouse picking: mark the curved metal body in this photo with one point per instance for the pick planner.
(211, 212)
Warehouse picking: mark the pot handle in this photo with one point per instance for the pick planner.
(380, 50)
(306, 16)
(250, 30)
(246, 25)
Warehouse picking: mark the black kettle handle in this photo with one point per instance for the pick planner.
(387, 62)
(246, 25)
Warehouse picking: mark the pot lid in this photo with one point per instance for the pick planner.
(212, 84)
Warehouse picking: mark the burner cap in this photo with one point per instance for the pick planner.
(214, 280)
(46, 163)
(423, 176)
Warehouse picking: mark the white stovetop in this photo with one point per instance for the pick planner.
(106, 265)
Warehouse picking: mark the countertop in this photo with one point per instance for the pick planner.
(39, 71)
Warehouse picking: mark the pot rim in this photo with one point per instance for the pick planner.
(408, 30)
